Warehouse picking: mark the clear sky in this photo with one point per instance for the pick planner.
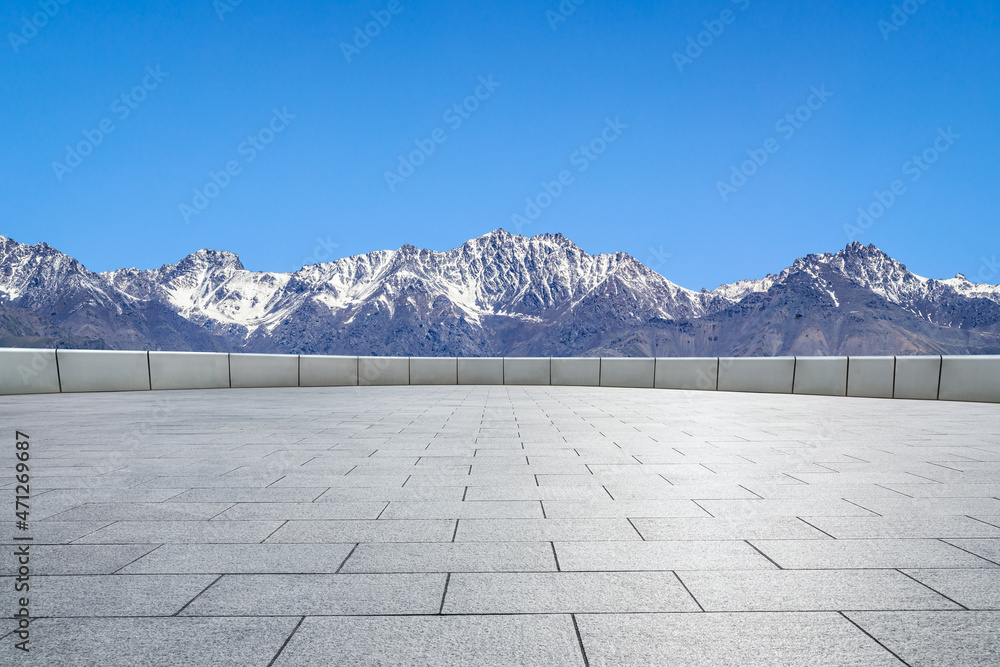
(622, 122)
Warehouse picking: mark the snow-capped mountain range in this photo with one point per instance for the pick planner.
(499, 294)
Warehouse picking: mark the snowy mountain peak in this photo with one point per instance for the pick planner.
(503, 294)
(210, 260)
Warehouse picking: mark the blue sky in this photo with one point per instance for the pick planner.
(622, 122)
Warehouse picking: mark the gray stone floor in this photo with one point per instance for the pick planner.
(505, 526)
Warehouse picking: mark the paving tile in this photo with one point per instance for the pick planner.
(565, 592)
(183, 532)
(383, 530)
(765, 508)
(931, 506)
(300, 511)
(689, 470)
(577, 480)
(874, 553)
(608, 508)
(389, 493)
(48, 504)
(926, 639)
(320, 594)
(242, 559)
(501, 509)
(873, 476)
(742, 477)
(707, 640)
(83, 482)
(726, 529)
(78, 558)
(963, 464)
(469, 480)
(211, 482)
(453, 557)
(853, 491)
(988, 549)
(810, 590)
(975, 589)
(544, 530)
(677, 555)
(494, 493)
(988, 490)
(55, 532)
(127, 642)
(237, 495)
(344, 481)
(904, 527)
(114, 595)
(667, 491)
(432, 641)
(108, 512)
(440, 470)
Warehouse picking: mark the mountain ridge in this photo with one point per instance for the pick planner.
(497, 294)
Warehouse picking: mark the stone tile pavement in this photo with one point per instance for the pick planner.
(504, 526)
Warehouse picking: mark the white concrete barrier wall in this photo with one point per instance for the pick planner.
(820, 376)
(527, 370)
(970, 379)
(627, 372)
(318, 370)
(871, 377)
(576, 371)
(264, 370)
(772, 375)
(28, 371)
(957, 378)
(188, 370)
(103, 370)
(480, 370)
(687, 373)
(383, 371)
(917, 377)
(433, 370)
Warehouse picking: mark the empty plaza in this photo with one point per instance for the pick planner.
(504, 525)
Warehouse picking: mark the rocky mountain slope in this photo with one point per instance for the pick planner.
(498, 294)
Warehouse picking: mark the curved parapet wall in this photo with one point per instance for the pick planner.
(970, 379)
(952, 378)
(871, 377)
(768, 375)
(188, 370)
(29, 372)
(101, 370)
